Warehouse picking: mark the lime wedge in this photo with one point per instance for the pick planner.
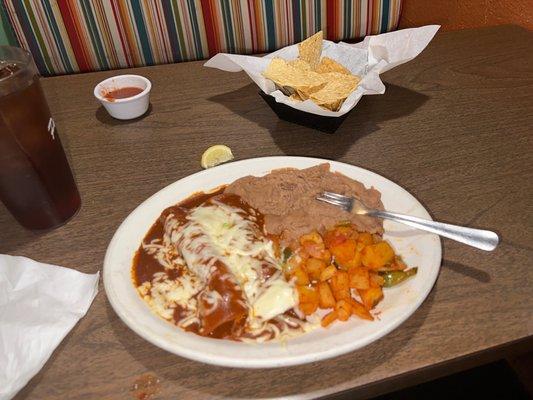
(216, 155)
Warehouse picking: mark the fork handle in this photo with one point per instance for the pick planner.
(479, 238)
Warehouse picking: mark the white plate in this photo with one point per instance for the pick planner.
(417, 248)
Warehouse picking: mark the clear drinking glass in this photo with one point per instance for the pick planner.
(36, 183)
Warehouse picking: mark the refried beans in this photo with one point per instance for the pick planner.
(286, 198)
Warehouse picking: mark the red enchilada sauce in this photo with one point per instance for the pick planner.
(122, 93)
(228, 320)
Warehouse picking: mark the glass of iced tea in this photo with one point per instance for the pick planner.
(36, 182)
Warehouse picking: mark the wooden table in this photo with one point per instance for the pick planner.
(454, 128)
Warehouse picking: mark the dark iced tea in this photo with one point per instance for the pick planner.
(36, 183)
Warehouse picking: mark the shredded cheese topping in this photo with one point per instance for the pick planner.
(219, 233)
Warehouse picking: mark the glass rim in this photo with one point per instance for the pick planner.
(25, 55)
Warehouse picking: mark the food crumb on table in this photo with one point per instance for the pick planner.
(145, 387)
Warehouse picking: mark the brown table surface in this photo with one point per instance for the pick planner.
(453, 128)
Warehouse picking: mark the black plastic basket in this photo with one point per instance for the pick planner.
(318, 122)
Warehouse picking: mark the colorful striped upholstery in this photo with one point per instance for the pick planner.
(85, 35)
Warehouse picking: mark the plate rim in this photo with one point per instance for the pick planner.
(288, 360)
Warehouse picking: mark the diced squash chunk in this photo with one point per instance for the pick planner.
(340, 281)
(365, 238)
(359, 278)
(359, 310)
(328, 319)
(307, 294)
(376, 280)
(301, 276)
(313, 245)
(344, 310)
(314, 268)
(312, 237)
(378, 255)
(356, 261)
(328, 273)
(371, 296)
(340, 285)
(308, 308)
(338, 235)
(342, 294)
(316, 250)
(326, 256)
(344, 252)
(292, 263)
(325, 296)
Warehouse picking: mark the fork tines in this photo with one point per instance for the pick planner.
(336, 196)
(336, 199)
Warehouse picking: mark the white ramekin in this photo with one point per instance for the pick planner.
(128, 108)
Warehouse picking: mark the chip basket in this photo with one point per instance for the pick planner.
(319, 122)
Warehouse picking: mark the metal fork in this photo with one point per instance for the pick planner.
(479, 238)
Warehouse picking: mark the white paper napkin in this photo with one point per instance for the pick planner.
(368, 59)
(39, 305)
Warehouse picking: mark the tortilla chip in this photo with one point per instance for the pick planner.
(300, 65)
(338, 87)
(346, 79)
(304, 93)
(311, 49)
(329, 65)
(287, 76)
(326, 82)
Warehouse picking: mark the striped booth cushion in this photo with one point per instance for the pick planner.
(67, 36)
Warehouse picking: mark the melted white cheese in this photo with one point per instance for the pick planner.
(165, 294)
(275, 300)
(220, 232)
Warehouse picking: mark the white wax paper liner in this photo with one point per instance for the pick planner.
(368, 59)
